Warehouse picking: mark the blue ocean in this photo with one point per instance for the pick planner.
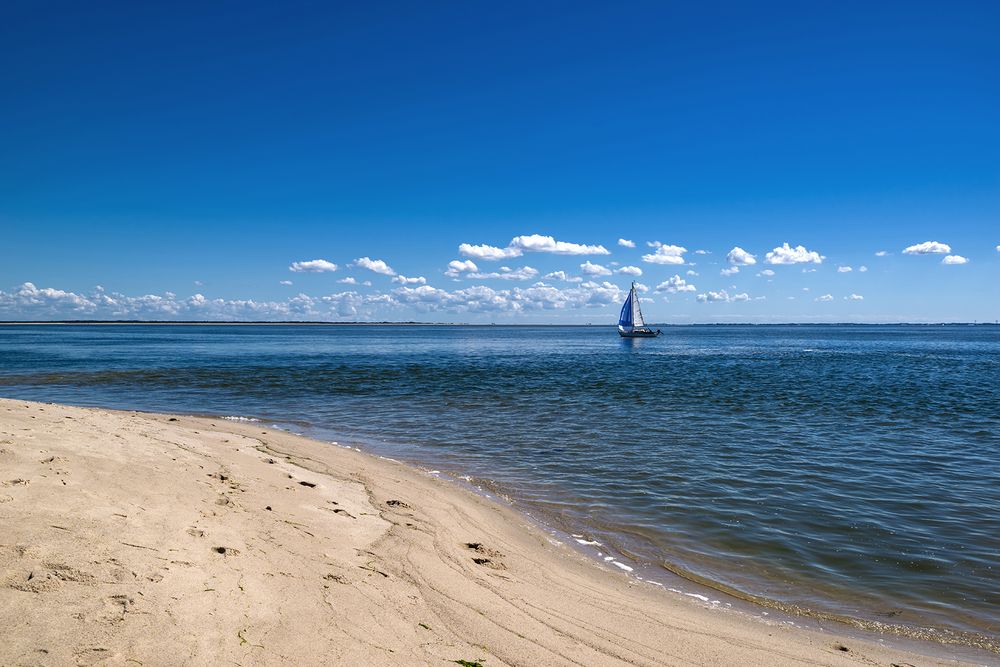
(848, 472)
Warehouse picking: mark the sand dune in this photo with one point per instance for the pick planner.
(133, 539)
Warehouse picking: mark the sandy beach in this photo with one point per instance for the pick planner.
(139, 539)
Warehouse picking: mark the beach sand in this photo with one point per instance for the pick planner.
(137, 539)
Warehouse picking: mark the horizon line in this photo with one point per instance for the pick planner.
(468, 324)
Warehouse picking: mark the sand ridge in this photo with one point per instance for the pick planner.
(131, 538)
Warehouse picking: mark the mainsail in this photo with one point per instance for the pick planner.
(637, 320)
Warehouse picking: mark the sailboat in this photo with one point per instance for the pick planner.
(630, 322)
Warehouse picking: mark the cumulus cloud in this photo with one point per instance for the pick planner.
(703, 252)
(505, 273)
(722, 296)
(862, 269)
(674, 285)
(732, 270)
(530, 243)
(30, 302)
(376, 265)
(854, 297)
(539, 243)
(349, 280)
(591, 269)
(844, 269)
(881, 253)
(740, 257)
(561, 275)
(665, 254)
(403, 280)
(629, 271)
(457, 267)
(625, 243)
(488, 252)
(767, 273)
(955, 259)
(825, 297)
(785, 254)
(284, 282)
(312, 266)
(927, 248)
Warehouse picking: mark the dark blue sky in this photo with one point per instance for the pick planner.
(147, 147)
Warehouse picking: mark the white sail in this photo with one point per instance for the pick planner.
(637, 320)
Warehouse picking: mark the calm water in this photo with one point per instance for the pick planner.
(852, 470)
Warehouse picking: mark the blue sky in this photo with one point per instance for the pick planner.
(176, 161)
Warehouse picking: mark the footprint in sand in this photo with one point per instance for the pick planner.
(486, 557)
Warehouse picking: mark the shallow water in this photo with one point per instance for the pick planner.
(849, 470)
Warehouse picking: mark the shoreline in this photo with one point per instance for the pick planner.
(580, 539)
(429, 570)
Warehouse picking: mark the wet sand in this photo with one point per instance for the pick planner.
(131, 538)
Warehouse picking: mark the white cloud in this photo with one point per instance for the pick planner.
(639, 287)
(732, 270)
(740, 257)
(785, 254)
(722, 296)
(530, 243)
(825, 297)
(955, 259)
(284, 282)
(561, 275)
(591, 269)
(376, 265)
(403, 280)
(349, 280)
(862, 269)
(629, 270)
(882, 253)
(674, 285)
(998, 248)
(312, 266)
(625, 243)
(506, 273)
(665, 254)
(854, 297)
(539, 243)
(457, 266)
(488, 252)
(928, 248)
(703, 252)
(767, 273)
(844, 269)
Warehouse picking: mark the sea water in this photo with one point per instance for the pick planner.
(844, 471)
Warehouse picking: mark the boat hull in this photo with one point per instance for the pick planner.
(639, 333)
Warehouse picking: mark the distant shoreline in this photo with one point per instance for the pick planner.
(470, 324)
